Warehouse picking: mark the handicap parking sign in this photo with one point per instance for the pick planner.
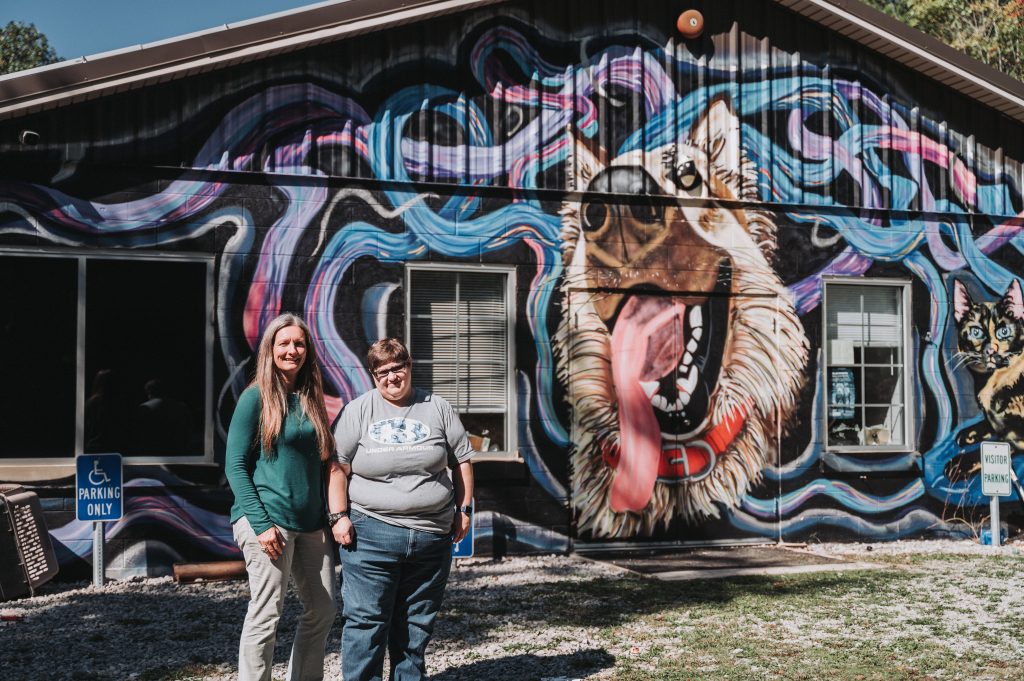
(98, 488)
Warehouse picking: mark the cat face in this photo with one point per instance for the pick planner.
(989, 335)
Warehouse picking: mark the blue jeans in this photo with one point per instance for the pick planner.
(392, 583)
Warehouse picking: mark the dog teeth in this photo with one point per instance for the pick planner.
(650, 387)
(692, 345)
(661, 402)
(687, 358)
(696, 318)
(697, 333)
(688, 383)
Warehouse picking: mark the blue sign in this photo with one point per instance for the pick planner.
(98, 487)
(464, 549)
(842, 393)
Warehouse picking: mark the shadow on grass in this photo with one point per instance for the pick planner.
(528, 667)
(602, 602)
(162, 626)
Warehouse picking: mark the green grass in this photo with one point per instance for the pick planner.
(892, 624)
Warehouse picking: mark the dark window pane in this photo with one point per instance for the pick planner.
(882, 386)
(38, 313)
(486, 431)
(145, 357)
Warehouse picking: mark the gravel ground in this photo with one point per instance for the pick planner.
(917, 546)
(490, 628)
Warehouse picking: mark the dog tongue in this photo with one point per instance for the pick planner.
(646, 344)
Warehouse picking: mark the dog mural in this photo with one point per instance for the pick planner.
(679, 345)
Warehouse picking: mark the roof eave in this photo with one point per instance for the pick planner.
(71, 81)
(84, 78)
(918, 51)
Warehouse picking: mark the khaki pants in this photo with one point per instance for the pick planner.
(307, 560)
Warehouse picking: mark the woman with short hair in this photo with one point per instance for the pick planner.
(278, 443)
(399, 494)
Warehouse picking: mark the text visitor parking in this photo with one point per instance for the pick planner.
(995, 469)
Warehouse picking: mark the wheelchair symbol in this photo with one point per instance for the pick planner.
(97, 476)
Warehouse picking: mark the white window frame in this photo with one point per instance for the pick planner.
(904, 286)
(33, 468)
(511, 451)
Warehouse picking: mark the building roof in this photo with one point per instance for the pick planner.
(85, 78)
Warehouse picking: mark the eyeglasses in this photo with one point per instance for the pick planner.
(399, 370)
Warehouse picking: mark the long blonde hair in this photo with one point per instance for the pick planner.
(309, 386)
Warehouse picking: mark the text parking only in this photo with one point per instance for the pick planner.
(98, 481)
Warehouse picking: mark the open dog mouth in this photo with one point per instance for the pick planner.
(666, 359)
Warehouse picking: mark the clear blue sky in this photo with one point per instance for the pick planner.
(83, 27)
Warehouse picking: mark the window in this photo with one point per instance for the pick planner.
(866, 379)
(109, 353)
(39, 310)
(460, 337)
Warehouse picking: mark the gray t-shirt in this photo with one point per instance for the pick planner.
(400, 458)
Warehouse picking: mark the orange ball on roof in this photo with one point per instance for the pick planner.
(690, 23)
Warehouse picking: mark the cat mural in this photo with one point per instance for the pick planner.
(990, 341)
(681, 350)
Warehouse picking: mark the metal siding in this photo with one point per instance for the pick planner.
(738, 51)
(751, 47)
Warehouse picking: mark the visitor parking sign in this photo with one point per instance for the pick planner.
(98, 487)
(995, 469)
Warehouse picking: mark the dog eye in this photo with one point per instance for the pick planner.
(594, 215)
(647, 213)
(687, 175)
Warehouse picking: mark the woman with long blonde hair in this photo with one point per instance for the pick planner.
(278, 443)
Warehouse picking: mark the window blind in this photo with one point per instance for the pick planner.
(459, 337)
(866, 315)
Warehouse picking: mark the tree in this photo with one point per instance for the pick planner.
(23, 46)
(991, 31)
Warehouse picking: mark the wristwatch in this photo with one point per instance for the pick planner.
(335, 517)
(468, 510)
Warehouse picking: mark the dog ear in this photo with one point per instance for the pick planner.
(585, 161)
(717, 133)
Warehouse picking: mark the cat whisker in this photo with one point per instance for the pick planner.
(960, 362)
(961, 358)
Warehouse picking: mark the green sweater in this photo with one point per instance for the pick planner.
(286, 490)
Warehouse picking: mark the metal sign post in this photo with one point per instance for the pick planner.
(98, 562)
(995, 479)
(100, 498)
